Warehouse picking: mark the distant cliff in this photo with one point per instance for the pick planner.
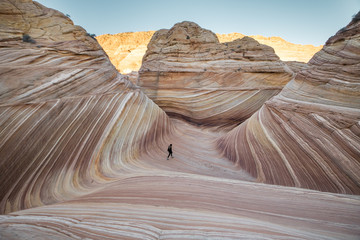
(286, 51)
(126, 50)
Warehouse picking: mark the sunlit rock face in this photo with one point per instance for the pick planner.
(126, 50)
(68, 120)
(286, 51)
(309, 135)
(192, 76)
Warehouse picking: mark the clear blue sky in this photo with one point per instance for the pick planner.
(302, 21)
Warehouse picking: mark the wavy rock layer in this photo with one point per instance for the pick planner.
(309, 135)
(296, 66)
(56, 150)
(45, 57)
(190, 207)
(126, 50)
(63, 107)
(79, 138)
(190, 75)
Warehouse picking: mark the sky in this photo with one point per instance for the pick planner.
(301, 21)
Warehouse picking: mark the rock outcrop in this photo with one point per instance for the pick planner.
(65, 112)
(286, 51)
(309, 135)
(45, 57)
(190, 75)
(126, 50)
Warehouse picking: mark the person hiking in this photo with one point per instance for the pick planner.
(170, 152)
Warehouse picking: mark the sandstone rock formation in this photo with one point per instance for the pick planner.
(190, 207)
(76, 133)
(132, 77)
(126, 50)
(286, 51)
(308, 136)
(190, 75)
(296, 66)
(63, 107)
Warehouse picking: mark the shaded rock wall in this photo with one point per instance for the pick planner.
(190, 75)
(308, 136)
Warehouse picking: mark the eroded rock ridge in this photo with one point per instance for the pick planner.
(308, 135)
(63, 107)
(191, 75)
(126, 50)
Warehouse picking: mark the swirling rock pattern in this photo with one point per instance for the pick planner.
(308, 135)
(57, 60)
(62, 107)
(190, 207)
(190, 75)
(80, 139)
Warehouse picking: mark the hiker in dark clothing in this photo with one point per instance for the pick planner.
(170, 151)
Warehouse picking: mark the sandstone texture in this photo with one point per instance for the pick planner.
(296, 66)
(126, 50)
(45, 57)
(190, 75)
(190, 207)
(63, 107)
(83, 154)
(286, 51)
(308, 136)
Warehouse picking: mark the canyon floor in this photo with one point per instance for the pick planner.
(197, 194)
(195, 152)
